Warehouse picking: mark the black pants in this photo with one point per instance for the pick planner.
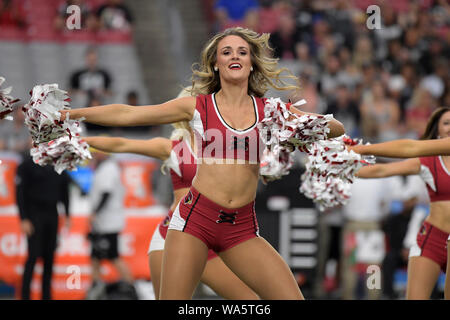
(391, 262)
(42, 243)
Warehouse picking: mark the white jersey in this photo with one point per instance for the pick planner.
(111, 218)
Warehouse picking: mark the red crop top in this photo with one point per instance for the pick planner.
(182, 164)
(439, 178)
(221, 141)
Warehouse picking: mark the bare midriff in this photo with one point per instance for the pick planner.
(228, 185)
(440, 215)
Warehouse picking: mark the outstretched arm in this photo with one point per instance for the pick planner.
(336, 128)
(405, 148)
(121, 115)
(399, 168)
(159, 148)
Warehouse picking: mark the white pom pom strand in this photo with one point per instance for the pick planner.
(63, 153)
(275, 163)
(282, 131)
(56, 142)
(330, 171)
(280, 125)
(42, 113)
(6, 101)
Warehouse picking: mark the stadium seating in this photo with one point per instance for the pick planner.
(40, 54)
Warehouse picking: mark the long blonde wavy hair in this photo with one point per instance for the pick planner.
(265, 73)
(181, 130)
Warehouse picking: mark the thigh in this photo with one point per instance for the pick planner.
(155, 258)
(183, 262)
(260, 266)
(423, 274)
(225, 283)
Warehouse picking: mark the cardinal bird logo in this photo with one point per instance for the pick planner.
(188, 198)
(423, 231)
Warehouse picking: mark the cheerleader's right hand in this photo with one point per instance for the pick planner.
(356, 148)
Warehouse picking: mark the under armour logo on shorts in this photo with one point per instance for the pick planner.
(166, 221)
(423, 230)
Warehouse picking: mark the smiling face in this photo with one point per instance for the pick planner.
(228, 59)
(444, 125)
(233, 58)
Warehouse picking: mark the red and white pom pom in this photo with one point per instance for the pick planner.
(275, 163)
(281, 126)
(6, 101)
(326, 192)
(282, 131)
(42, 114)
(330, 170)
(63, 153)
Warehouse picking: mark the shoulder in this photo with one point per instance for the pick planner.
(260, 99)
(178, 106)
(185, 100)
(411, 166)
(175, 142)
(187, 104)
(427, 160)
(202, 101)
(203, 97)
(260, 103)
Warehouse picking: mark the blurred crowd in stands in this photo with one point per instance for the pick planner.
(110, 15)
(383, 83)
(92, 82)
(95, 15)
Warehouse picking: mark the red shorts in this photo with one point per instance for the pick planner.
(218, 227)
(431, 243)
(162, 229)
